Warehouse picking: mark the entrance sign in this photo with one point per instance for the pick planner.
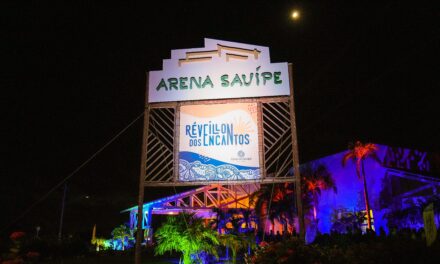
(220, 70)
(219, 142)
(223, 114)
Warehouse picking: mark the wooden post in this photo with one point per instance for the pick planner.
(295, 157)
(176, 142)
(142, 173)
(63, 202)
(261, 140)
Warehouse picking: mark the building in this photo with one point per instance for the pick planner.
(401, 179)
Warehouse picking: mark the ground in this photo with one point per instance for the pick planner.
(113, 259)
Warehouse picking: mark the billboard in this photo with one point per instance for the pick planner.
(220, 70)
(220, 112)
(219, 142)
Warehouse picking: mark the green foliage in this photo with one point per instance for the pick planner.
(101, 243)
(348, 248)
(188, 235)
(237, 242)
(289, 251)
(122, 233)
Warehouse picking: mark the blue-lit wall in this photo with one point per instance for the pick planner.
(350, 189)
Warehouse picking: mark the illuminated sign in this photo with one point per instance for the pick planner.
(220, 70)
(218, 142)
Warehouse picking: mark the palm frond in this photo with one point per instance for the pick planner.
(186, 234)
(347, 156)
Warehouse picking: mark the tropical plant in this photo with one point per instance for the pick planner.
(261, 199)
(122, 233)
(349, 248)
(233, 220)
(17, 239)
(316, 178)
(358, 152)
(285, 208)
(237, 242)
(347, 221)
(220, 220)
(187, 234)
(275, 202)
(234, 224)
(292, 250)
(411, 215)
(248, 217)
(101, 243)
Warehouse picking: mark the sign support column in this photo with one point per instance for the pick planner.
(295, 157)
(140, 217)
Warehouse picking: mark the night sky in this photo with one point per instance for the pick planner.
(74, 76)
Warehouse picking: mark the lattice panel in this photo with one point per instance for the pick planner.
(277, 139)
(160, 156)
(276, 145)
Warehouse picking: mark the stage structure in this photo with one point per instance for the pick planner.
(221, 114)
(200, 201)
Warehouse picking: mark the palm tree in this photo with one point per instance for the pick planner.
(186, 234)
(358, 153)
(121, 233)
(283, 206)
(261, 199)
(248, 216)
(231, 221)
(235, 223)
(317, 179)
(220, 220)
(275, 202)
(237, 242)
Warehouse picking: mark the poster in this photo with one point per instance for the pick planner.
(218, 142)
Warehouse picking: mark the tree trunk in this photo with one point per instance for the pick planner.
(315, 203)
(314, 212)
(186, 258)
(285, 226)
(367, 203)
